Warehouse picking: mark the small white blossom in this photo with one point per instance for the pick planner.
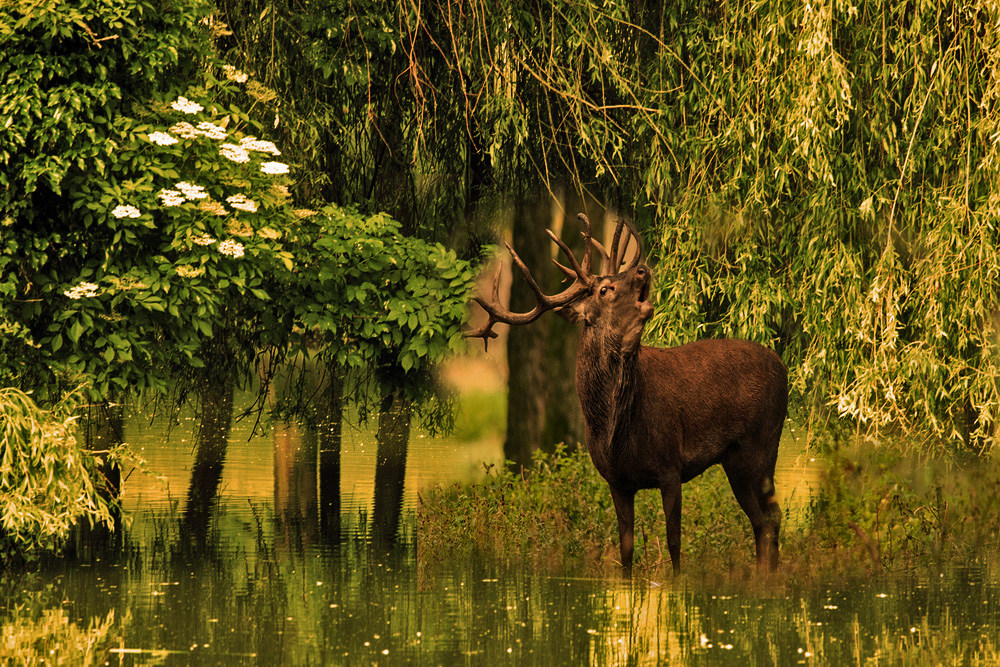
(82, 290)
(162, 139)
(185, 129)
(186, 105)
(203, 239)
(186, 271)
(242, 202)
(269, 234)
(260, 145)
(234, 152)
(126, 211)
(234, 74)
(274, 167)
(231, 248)
(212, 131)
(191, 191)
(212, 206)
(171, 197)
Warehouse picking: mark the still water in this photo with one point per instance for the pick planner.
(269, 591)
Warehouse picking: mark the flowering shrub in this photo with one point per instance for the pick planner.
(125, 270)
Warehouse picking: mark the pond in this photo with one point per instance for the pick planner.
(265, 589)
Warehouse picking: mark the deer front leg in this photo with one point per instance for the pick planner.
(625, 509)
(671, 494)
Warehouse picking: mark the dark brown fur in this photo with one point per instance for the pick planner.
(656, 418)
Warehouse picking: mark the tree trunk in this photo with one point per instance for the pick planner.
(329, 424)
(526, 345)
(215, 398)
(390, 467)
(103, 429)
(542, 409)
(295, 492)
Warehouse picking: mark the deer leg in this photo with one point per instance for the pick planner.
(625, 509)
(772, 515)
(671, 494)
(755, 494)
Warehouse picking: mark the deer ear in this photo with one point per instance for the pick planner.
(574, 314)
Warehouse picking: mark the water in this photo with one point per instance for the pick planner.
(272, 592)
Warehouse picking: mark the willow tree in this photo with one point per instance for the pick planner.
(819, 177)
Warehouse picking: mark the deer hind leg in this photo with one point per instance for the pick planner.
(671, 494)
(755, 494)
(625, 509)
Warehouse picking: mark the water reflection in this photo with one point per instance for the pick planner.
(268, 588)
(352, 605)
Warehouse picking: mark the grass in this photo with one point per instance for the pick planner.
(875, 510)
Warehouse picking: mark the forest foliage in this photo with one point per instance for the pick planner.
(819, 177)
(150, 236)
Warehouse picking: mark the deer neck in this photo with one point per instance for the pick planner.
(607, 386)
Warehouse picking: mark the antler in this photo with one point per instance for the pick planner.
(579, 272)
(611, 264)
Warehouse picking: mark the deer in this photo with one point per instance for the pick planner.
(656, 417)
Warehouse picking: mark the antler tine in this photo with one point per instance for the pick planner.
(587, 238)
(605, 257)
(640, 254)
(499, 314)
(618, 252)
(579, 272)
(616, 258)
(496, 282)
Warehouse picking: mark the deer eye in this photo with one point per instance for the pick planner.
(604, 290)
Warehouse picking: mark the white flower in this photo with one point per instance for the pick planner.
(81, 290)
(192, 191)
(185, 271)
(211, 130)
(186, 105)
(171, 197)
(231, 248)
(274, 167)
(212, 206)
(234, 152)
(185, 129)
(234, 74)
(260, 145)
(162, 139)
(242, 202)
(203, 239)
(126, 211)
(269, 234)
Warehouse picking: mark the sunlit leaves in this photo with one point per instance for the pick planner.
(46, 479)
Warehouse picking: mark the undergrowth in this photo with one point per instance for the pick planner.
(872, 510)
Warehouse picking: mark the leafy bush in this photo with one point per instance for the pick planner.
(48, 483)
(148, 231)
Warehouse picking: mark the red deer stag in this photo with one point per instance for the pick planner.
(655, 417)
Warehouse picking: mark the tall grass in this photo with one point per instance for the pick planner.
(873, 510)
